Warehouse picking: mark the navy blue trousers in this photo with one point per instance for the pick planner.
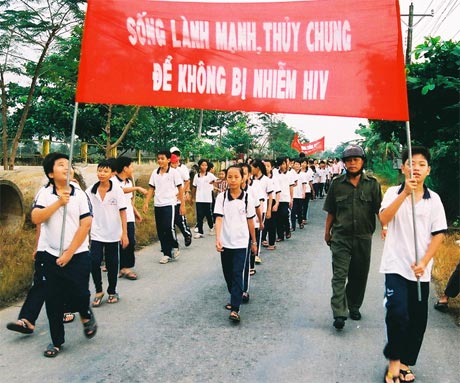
(233, 264)
(406, 318)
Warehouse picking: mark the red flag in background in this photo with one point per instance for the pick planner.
(308, 148)
(323, 57)
(295, 144)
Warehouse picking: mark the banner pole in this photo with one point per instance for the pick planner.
(409, 149)
(72, 140)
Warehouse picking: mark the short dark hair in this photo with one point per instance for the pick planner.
(122, 162)
(417, 150)
(107, 164)
(164, 152)
(112, 163)
(49, 160)
(203, 160)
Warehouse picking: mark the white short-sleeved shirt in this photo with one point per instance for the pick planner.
(127, 183)
(322, 175)
(79, 207)
(165, 186)
(399, 249)
(235, 213)
(299, 188)
(285, 181)
(309, 177)
(265, 186)
(106, 226)
(204, 187)
(184, 172)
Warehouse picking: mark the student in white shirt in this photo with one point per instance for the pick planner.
(125, 169)
(166, 183)
(286, 183)
(299, 195)
(270, 223)
(406, 316)
(67, 267)
(234, 211)
(308, 189)
(108, 229)
(202, 194)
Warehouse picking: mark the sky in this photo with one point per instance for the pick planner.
(444, 23)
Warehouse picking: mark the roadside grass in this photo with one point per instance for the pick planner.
(16, 248)
(446, 259)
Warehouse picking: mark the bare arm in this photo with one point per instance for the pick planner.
(390, 211)
(436, 241)
(124, 229)
(39, 216)
(148, 197)
(219, 246)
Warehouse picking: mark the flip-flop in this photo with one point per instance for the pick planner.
(234, 316)
(68, 317)
(52, 351)
(228, 306)
(19, 326)
(97, 300)
(113, 298)
(90, 327)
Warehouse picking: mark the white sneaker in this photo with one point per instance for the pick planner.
(212, 231)
(175, 254)
(198, 236)
(164, 260)
(196, 230)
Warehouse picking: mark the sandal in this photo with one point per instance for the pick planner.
(228, 306)
(271, 247)
(264, 243)
(245, 297)
(52, 351)
(68, 317)
(252, 271)
(441, 306)
(389, 375)
(113, 298)
(234, 316)
(21, 325)
(97, 300)
(90, 327)
(403, 375)
(131, 275)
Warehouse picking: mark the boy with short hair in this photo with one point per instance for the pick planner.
(67, 267)
(108, 229)
(124, 168)
(406, 316)
(166, 183)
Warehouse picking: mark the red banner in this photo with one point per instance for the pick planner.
(308, 148)
(325, 57)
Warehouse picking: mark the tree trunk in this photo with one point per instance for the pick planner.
(4, 121)
(25, 112)
(126, 128)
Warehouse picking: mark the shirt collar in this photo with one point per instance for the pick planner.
(72, 189)
(167, 170)
(230, 198)
(426, 192)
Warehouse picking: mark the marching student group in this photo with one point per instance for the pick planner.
(250, 205)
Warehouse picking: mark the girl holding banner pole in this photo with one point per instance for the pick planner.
(406, 314)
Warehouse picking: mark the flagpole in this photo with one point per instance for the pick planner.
(72, 140)
(411, 169)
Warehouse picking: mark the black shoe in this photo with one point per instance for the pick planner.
(188, 241)
(355, 315)
(339, 322)
(441, 306)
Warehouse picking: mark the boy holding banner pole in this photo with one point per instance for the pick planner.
(406, 314)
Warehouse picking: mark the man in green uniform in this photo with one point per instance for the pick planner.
(352, 203)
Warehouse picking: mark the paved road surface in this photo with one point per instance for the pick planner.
(170, 326)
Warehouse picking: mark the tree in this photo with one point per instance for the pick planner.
(280, 136)
(433, 93)
(28, 31)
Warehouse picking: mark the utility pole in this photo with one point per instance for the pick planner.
(410, 28)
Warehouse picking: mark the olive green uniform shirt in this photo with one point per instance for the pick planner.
(354, 208)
